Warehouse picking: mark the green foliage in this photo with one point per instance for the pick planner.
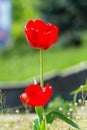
(58, 103)
(43, 119)
(39, 111)
(22, 11)
(43, 125)
(17, 10)
(83, 90)
(35, 124)
(62, 117)
(40, 122)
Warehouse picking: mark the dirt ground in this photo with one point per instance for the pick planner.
(24, 121)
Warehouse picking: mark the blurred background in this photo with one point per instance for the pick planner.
(18, 61)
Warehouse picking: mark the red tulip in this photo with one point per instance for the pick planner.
(34, 95)
(41, 35)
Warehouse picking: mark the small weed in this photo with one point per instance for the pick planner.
(3, 108)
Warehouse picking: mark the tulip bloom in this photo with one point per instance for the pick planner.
(34, 95)
(41, 35)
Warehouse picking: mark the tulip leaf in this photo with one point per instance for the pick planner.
(62, 117)
(39, 112)
(43, 125)
(36, 125)
(50, 117)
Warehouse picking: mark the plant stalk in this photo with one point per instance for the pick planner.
(41, 69)
(41, 109)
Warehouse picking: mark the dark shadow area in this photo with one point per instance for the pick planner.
(62, 85)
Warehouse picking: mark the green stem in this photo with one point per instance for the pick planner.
(41, 68)
(42, 80)
(40, 110)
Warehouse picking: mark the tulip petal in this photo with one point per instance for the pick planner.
(41, 35)
(53, 29)
(52, 38)
(40, 25)
(24, 98)
(35, 95)
(30, 24)
(31, 36)
(33, 89)
(42, 39)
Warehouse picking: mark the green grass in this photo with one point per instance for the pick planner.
(15, 67)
